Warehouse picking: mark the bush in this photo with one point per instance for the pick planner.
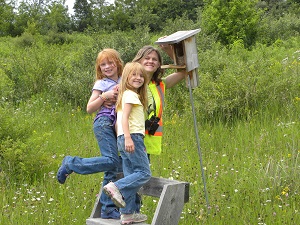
(6, 88)
(26, 40)
(236, 83)
(23, 141)
(58, 38)
(271, 28)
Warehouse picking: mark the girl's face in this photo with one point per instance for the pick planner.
(109, 69)
(150, 63)
(136, 80)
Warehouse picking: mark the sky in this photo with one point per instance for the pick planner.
(70, 4)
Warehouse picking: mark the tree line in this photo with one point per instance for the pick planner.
(228, 21)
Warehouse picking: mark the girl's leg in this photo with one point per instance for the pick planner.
(107, 141)
(109, 159)
(136, 172)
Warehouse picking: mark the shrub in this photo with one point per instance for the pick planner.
(236, 83)
(272, 28)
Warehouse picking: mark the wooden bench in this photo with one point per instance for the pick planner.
(172, 195)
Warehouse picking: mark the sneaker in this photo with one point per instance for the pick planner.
(62, 172)
(115, 214)
(113, 192)
(133, 218)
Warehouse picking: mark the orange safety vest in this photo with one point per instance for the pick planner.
(153, 143)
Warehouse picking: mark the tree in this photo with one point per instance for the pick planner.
(82, 15)
(7, 18)
(29, 14)
(231, 20)
(56, 18)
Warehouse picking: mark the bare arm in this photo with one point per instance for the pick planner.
(95, 102)
(129, 145)
(175, 78)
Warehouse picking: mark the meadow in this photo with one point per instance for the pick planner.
(247, 108)
(251, 167)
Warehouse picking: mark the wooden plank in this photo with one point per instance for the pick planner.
(97, 206)
(191, 53)
(172, 67)
(155, 185)
(99, 221)
(177, 37)
(170, 205)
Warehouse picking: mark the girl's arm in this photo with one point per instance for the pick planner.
(129, 145)
(94, 103)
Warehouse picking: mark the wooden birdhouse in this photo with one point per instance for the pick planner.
(184, 53)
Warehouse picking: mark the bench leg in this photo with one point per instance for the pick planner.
(170, 205)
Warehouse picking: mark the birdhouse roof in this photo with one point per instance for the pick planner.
(177, 37)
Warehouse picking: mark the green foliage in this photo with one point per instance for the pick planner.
(30, 69)
(237, 86)
(231, 21)
(25, 40)
(20, 144)
(6, 87)
(56, 19)
(272, 28)
(58, 38)
(83, 15)
(7, 18)
(247, 107)
(251, 169)
(236, 83)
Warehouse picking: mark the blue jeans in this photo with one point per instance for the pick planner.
(108, 162)
(136, 171)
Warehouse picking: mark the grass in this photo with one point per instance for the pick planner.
(252, 169)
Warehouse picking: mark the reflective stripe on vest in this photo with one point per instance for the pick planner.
(158, 93)
(153, 143)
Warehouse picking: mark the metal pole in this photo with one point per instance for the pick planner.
(198, 144)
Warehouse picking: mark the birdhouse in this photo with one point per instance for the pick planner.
(184, 51)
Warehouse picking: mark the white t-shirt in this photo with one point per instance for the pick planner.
(136, 118)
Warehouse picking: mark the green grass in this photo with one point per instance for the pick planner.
(251, 167)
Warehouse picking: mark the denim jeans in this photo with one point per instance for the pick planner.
(136, 171)
(108, 162)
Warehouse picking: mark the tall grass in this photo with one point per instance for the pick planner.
(247, 107)
(251, 168)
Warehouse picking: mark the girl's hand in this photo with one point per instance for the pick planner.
(129, 145)
(109, 103)
(112, 94)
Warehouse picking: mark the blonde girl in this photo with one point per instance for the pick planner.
(131, 106)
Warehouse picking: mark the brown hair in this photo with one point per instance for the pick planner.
(142, 53)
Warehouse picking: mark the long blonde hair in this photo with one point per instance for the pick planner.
(111, 55)
(128, 71)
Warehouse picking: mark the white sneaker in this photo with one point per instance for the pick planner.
(133, 218)
(113, 192)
